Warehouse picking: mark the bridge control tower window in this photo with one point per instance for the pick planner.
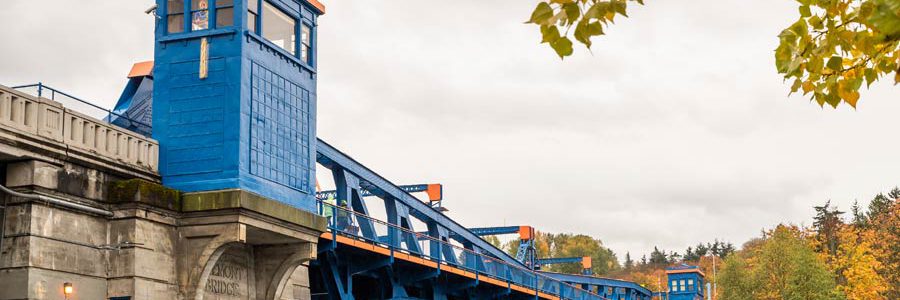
(175, 16)
(252, 14)
(305, 43)
(224, 13)
(279, 28)
(199, 14)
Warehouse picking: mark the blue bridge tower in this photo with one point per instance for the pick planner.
(685, 282)
(235, 96)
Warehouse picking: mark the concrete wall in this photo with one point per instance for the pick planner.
(149, 248)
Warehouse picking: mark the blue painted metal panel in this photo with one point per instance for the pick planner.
(133, 111)
(250, 124)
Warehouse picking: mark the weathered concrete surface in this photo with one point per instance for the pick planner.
(239, 246)
(229, 199)
(39, 128)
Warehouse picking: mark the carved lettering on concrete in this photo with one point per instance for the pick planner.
(228, 279)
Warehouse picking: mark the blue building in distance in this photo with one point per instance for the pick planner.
(234, 98)
(685, 282)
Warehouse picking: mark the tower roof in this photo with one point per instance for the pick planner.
(318, 5)
(684, 268)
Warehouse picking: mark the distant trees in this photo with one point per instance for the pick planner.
(547, 245)
(783, 266)
(833, 259)
(629, 264)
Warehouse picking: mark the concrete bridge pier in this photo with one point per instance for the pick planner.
(134, 239)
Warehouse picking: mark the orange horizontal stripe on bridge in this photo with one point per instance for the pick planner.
(431, 264)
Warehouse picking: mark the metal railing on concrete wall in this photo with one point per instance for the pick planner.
(38, 116)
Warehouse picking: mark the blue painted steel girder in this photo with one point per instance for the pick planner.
(413, 188)
(559, 260)
(483, 231)
(620, 286)
(334, 159)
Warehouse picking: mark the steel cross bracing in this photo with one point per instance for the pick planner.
(351, 178)
(605, 287)
(526, 252)
(476, 255)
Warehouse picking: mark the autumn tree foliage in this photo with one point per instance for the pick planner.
(885, 242)
(827, 54)
(549, 245)
(852, 260)
(580, 19)
(851, 257)
(837, 45)
(784, 266)
(856, 265)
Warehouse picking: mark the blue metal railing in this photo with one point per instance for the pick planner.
(42, 90)
(342, 222)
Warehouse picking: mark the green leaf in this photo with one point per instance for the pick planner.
(549, 33)
(595, 28)
(816, 22)
(820, 98)
(886, 18)
(832, 99)
(834, 63)
(795, 86)
(581, 33)
(573, 13)
(619, 6)
(541, 13)
(804, 11)
(871, 76)
(596, 11)
(562, 46)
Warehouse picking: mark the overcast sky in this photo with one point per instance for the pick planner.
(676, 130)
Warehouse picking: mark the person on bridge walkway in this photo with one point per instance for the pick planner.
(328, 209)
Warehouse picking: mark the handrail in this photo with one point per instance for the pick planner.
(537, 277)
(40, 87)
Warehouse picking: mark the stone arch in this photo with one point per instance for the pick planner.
(302, 253)
(202, 247)
(215, 254)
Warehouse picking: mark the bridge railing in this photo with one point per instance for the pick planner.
(48, 119)
(71, 102)
(344, 222)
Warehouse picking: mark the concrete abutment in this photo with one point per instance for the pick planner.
(158, 243)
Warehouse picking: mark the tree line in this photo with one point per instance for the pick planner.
(839, 257)
(851, 255)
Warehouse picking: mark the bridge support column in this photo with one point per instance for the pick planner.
(237, 245)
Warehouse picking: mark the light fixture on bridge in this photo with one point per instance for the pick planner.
(68, 289)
